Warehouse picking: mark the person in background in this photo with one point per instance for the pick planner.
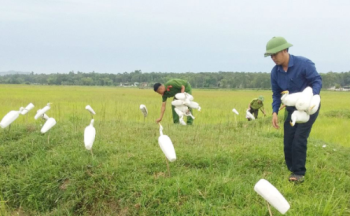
(255, 105)
(170, 89)
(292, 73)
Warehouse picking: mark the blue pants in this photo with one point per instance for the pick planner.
(295, 142)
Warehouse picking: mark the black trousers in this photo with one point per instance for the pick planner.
(295, 142)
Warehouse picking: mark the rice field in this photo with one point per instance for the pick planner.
(220, 157)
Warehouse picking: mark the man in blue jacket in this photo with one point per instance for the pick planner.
(292, 73)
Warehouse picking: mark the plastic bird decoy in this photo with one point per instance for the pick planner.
(166, 145)
(144, 110)
(249, 115)
(50, 122)
(314, 104)
(272, 195)
(27, 109)
(290, 99)
(235, 111)
(89, 135)
(10, 117)
(41, 112)
(89, 108)
(303, 102)
(299, 117)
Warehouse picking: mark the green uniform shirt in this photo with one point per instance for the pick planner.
(255, 105)
(173, 86)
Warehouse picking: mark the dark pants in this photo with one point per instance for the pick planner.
(254, 112)
(295, 142)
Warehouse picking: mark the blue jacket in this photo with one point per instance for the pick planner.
(300, 74)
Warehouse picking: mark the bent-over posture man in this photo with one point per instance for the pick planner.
(255, 105)
(170, 89)
(292, 73)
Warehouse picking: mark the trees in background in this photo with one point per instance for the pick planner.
(236, 80)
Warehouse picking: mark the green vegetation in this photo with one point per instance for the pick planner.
(223, 80)
(220, 158)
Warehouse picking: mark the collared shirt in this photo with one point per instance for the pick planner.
(173, 86)
(255, 105)
(301, 73)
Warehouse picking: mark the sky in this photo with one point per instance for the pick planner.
(114, 36)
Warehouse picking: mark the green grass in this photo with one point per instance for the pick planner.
(219, 159)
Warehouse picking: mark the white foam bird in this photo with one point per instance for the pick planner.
(249, 115)
(314, 104)
(50, 122)
(166, 145)
(299, 117)
(10, 117)
(27, 109)
(272, 195)
(290, 99)
(144, 110)
(89, 135)
(303, 102)
(235, 111)
(89, 108)
(182, 102)
(41, 112)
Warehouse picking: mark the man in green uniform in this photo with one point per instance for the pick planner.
(255, 105)
(170, 89)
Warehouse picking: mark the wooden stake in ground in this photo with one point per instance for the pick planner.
(268, 206)
(167, 165)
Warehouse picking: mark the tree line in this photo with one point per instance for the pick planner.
(236, 80)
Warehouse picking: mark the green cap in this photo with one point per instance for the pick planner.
(275, 45)
(261, 98)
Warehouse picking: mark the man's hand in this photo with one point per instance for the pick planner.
(275, 120)
(158, 120)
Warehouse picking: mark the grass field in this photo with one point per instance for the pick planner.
(219, 158)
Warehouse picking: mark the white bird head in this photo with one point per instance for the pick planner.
(144, 110)
(89, 108)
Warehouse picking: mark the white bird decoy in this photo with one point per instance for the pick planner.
(249, 115)
(10, 117)
(177, 102)
(181, 116)
(41, 112)
(272, 195)
(166, 145)
(290, 99)
(89, 135)
(89, 108)
(180, 96)
(27, 109)
(299, 117)
(235, 111)
(303, 102)
(314, 104)
(50, 122)
(194, 105)
(144, 110)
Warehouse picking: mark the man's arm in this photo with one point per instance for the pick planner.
(276, 97)
(162, 110)
(313, 78)
(182, 89)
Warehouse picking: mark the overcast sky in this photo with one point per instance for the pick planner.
(113, 36)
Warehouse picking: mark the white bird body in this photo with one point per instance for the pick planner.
(50, 122)
(166, 145)
(272, 195)
(194, 105)
(177, 102)
(89, 108)
(89, 135)
(303, 102)
(184, 96)
(314, 104)
(290, 99)
(249, 115)
(235, 111)
(144, 110)
(10, 117)
(299, 117)
(27, 109)
(41, 112)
